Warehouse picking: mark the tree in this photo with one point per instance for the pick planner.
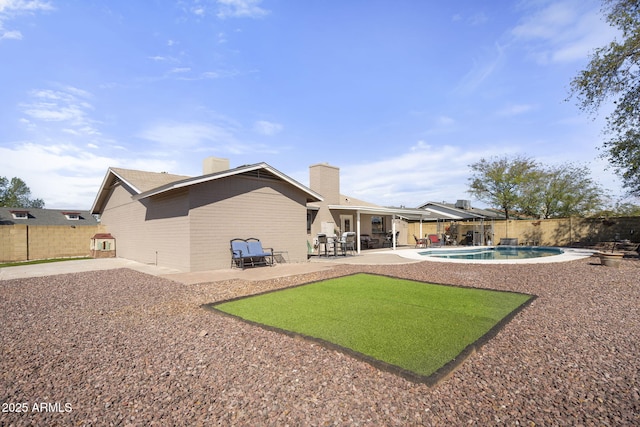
(16, 194)
(567, 190)
(613, 73)
(520, 184)
(503, 182)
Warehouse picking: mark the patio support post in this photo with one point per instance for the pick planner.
(393, 231)
(358, 230)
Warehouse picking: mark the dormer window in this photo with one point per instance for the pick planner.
(72, 216)
(20, 214)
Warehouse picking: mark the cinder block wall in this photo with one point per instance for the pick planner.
(24, 243)
(546, 232)
(13, 243)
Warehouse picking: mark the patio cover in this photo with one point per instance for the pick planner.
(405, 213)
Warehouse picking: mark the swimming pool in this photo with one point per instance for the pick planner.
(492, 253)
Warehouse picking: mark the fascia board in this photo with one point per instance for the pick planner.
(103, 189)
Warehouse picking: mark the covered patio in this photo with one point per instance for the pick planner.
(388, 225)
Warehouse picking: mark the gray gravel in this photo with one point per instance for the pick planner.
(120, 347)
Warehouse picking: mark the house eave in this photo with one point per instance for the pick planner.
(105, 188)
(414, 214)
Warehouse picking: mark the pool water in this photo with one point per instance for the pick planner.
(494, 253)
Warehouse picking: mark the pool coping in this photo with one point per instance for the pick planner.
(569, 254)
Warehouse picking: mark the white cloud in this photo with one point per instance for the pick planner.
(10, 9)
(516, 109)
(223, 137)
(445, 121)
(65, 175)
(267, 128)
(179, 70)
(241, 9)
(424, 173)
(10, 35)
(187, 135)
(563, 31)
(68, 105)
(482, 69)
(160, 58)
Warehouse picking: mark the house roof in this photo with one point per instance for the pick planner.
(408, 213)
(142, 181)
(348, 203)
(453, 212)
(46, 217)
(149, 184)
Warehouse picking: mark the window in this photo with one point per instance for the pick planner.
(20, 214)
(311, 216)
(72, 216)
(377, 224)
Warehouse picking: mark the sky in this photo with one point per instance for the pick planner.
(401, 95)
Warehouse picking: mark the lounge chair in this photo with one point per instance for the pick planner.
(508, 241)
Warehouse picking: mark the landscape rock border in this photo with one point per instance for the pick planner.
(125, 348)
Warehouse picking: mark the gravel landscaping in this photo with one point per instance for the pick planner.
(119, 347)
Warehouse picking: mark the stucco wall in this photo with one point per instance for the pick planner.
(190, 229)
(158, 235)
(243, 207)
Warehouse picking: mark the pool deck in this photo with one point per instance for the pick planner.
(402, 255)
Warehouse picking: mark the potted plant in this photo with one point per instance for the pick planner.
(611, 259)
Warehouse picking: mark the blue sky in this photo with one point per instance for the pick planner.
(401, 95)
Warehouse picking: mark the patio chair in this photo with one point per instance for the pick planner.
(420, 243)
(388, 239)
(249, 252)
(434, 240)
(366, 242)
(239, 252)
(324, 241)
(348, 242)
(258, 254)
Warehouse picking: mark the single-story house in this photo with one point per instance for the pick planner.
(187, 222)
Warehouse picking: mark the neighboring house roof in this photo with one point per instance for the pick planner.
(451, 211)
(33, 216)
(148, 184)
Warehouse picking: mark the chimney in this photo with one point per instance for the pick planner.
(214, 164)
(325, 180)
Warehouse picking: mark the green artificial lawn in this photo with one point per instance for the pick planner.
(39, 261)
(416, 326)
